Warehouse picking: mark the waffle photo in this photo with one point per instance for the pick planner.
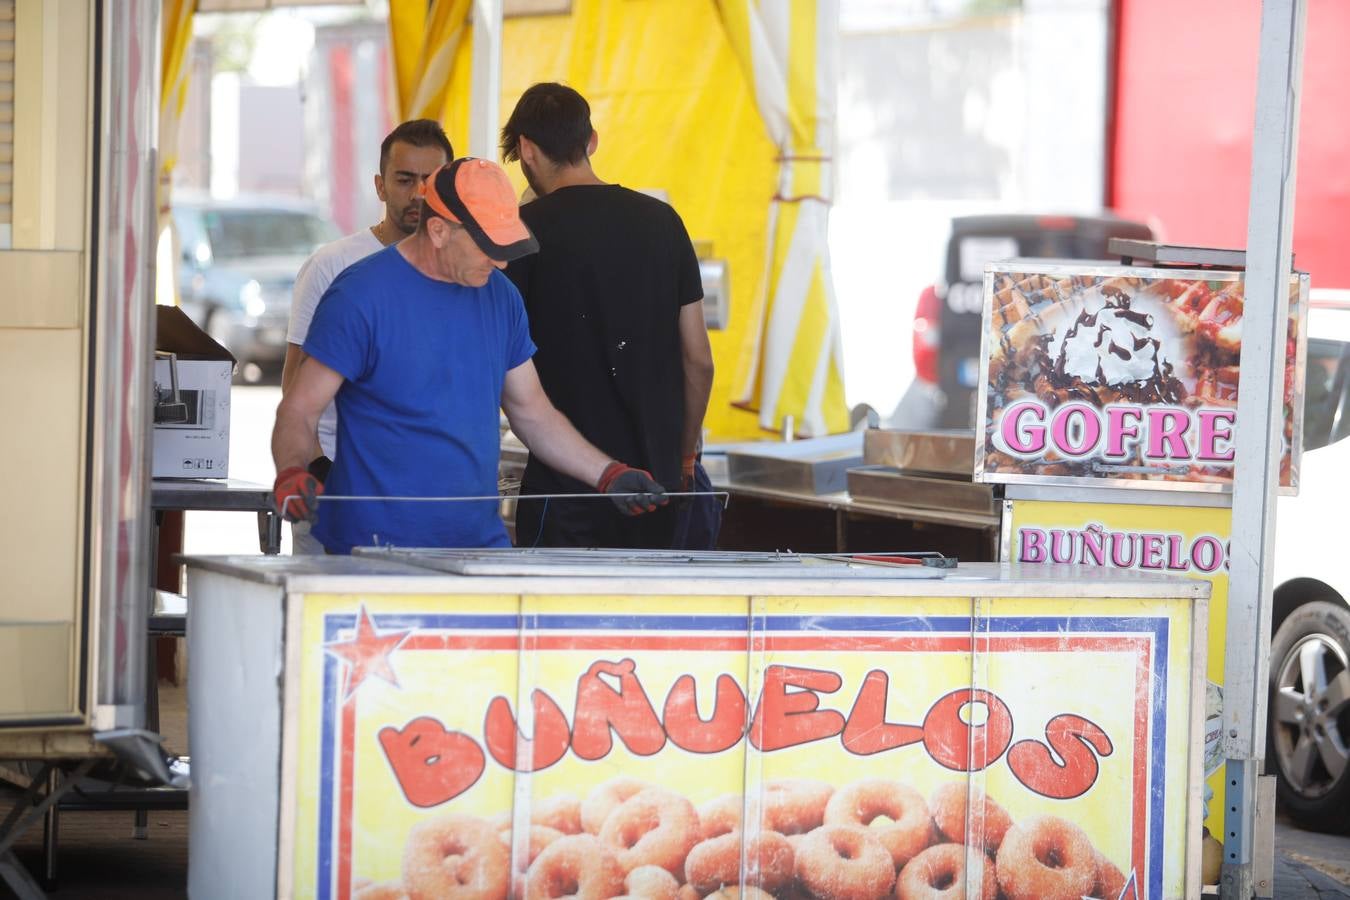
(1122, 376)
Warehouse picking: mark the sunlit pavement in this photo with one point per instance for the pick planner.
(1310, 865)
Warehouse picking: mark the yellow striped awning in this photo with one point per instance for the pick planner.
(792, 363)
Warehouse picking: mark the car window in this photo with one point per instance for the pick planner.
(1326, 393)
(244, 233)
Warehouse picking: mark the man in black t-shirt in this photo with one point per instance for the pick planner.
(615, 304)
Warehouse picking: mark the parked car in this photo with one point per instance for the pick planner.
(1308, 730)
(236, 269)
(947, 319)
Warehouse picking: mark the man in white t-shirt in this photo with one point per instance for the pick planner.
(410, 153)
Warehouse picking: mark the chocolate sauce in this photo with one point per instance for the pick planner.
(1161, 387)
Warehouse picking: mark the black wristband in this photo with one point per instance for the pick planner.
(319, 468)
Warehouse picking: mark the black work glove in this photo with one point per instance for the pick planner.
(644, 494)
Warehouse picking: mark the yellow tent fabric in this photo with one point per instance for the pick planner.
(793, 362)
(175, 38)
(407, 31)
(674, 113)
(425, 39)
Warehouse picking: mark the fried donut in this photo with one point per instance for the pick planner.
(1110, 880)
(540, 837)
(720, 816)
(655, 827)
(716, 863)
(939, 873)
(575, 866)
(987, 818)
(652, 883)
(740, 893)
(844, 862)
(687, 892)
(795, 842)
(770, 861)
(911, 828)
(386, 890)
(600, 802)
(561, 813)
(795, 805)
(455, 856)
(1046, 858)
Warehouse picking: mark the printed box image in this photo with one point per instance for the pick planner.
(191, 401)
(673, 746)
(1122, 376)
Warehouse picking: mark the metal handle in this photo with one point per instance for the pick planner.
(285, 503)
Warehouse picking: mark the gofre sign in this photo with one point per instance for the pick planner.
(1121, 375)
(560, 720)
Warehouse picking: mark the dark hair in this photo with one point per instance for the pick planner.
(555, 117)
(418, 133)
(442, 182)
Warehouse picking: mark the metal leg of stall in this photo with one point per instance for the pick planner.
(140, 826)
(269, 532)
(17, 879)
(26, 812)
(1256, 473)
(51, 830)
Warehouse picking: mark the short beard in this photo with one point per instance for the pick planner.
(532, 179)
(402, 226)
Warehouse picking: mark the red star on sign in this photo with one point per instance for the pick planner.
(367, 653)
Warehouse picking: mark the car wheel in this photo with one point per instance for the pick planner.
(1308, 739)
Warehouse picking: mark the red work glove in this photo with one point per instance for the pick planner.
(687, 472)
(301, 488)
(644, 493)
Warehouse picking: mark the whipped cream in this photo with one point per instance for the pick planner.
(1109, 346)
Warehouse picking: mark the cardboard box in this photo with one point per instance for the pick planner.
(192, 400)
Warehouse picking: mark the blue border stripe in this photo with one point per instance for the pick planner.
(327, 772)
(1157, 778)
(1157, 628)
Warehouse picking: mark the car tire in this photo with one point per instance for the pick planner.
(1308, 733)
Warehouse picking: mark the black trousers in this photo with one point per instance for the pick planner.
(592, 522)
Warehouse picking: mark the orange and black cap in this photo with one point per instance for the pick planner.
(477, 194)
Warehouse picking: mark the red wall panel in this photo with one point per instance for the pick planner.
(1184, 107)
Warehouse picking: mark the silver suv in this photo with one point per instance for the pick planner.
(237, 266)
(1308, 742)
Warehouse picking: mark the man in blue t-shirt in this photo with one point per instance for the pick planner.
(421, 344)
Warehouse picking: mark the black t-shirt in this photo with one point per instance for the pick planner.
(603, 295)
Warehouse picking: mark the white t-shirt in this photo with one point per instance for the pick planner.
(313, 279)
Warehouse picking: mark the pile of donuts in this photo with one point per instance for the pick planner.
(631, 839)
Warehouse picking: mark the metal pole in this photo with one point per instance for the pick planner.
(1257, 442)
(485, 96)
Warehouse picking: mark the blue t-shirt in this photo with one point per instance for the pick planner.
(418, 413)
